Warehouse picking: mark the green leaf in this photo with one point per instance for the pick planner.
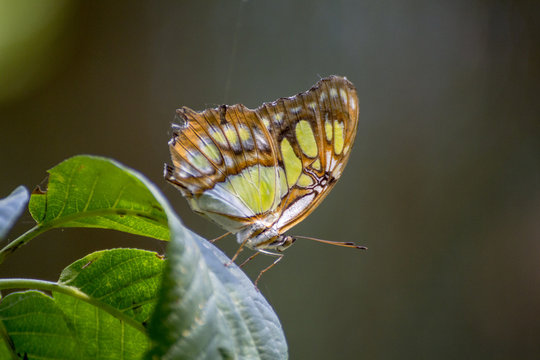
(5, 351)
(208, 310)
(64, 327)
(11, 208)
(204, 309)
(37, 327)
(95, 305)
(100, 335)
(127, 279)
(89, 191)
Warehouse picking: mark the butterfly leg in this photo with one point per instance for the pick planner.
(249, 259)
(219, 237)
(279, 257)
(237, 252)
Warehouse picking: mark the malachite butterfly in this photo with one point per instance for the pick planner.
(259, 172)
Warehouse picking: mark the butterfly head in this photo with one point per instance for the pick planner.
(280, 243)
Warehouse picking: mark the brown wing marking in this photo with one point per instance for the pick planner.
(204, 150)
(333, 108)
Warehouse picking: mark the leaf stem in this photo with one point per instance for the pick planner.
(22, 240)
(57, 223)
(70, 291)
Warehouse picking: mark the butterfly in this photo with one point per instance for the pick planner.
(259, 172)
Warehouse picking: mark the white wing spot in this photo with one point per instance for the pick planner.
(330, 164)
(296, 110)
(353, 103)
(201, 163)
(229, 161)
(209, 149)
(278, 118)
(261, 140)
(218, 137)
(333, 92)
(185, 170)
(343, 95)
(296, 208)
(266, 122)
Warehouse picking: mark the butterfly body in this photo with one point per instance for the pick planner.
(258, 172)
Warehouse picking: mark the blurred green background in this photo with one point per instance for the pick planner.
(442, 186)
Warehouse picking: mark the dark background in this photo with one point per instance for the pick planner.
(442, 186)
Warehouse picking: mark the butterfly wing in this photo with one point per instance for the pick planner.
(224, 163)
(314, 132)
(273, 164)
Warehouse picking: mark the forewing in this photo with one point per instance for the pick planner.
(314, 132)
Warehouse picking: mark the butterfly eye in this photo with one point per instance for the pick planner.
(281, 243)
(289, 240)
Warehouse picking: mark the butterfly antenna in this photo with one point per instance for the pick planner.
(337, 243)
